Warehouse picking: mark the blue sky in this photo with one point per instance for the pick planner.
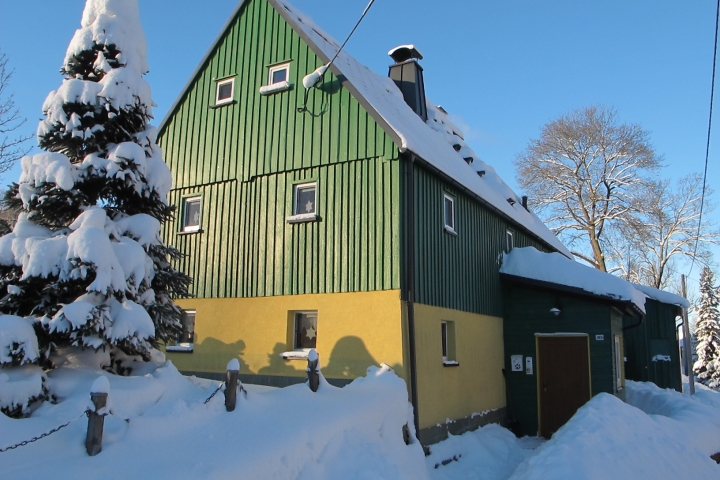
(503, 67)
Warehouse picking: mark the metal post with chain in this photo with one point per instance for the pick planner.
(39, 437)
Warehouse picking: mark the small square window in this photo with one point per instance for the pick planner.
(279, 74)
(447, 338)
(449, 213)
(224, 93)
(186, 338)
(192, 212)
(305, 199)
(509, 241)
(305, 330)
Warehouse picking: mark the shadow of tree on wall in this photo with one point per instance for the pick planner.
(216, 349)
(349, 358)
(278, 365)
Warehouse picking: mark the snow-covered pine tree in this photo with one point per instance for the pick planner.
(707, 367)
(85, 264)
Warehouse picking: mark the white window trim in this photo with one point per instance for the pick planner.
(275, 68)
(186, 203)
(231, 98)
(296, 191)
(445, 343)
(509, 240)
(618, 362)
(301, 352)
(449, 228)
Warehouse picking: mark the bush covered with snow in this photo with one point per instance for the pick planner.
(20, 388)
(84, 263)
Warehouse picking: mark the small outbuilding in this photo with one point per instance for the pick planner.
(563, 336)
(652, 350)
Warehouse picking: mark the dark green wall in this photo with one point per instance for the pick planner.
(656, 336)
(244, 157)
(459, 272)
(527, 312)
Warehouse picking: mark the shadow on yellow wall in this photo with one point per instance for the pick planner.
(278, 365)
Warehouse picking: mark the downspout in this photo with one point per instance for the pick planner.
(630, 327)
(410, 287)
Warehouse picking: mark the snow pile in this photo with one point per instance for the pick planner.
(18, 343)
(608, 439)
(491, 453)
(20, 388)
(693, 420)
(559, 270)
(353, 432)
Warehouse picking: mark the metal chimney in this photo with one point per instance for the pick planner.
(408, 76)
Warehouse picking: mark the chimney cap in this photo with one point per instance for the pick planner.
(403, 53)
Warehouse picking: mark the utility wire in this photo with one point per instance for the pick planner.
(707, 147)
(355, 28)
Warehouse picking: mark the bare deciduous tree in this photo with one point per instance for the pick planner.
(663, 226)
(582, 174)
(11, 148)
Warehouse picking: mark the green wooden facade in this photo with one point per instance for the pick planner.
(651, 348)
(243, 158)
(527, 312)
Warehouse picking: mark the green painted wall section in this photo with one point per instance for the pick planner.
(527, 312)
(459, 272)
(243, 158)
(656, 336)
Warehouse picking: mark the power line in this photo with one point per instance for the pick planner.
(707, 146)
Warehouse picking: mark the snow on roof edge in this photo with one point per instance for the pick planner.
(556, 269)
(662, 296)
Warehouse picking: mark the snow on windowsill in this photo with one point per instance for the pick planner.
(301, 218)
(275, 88)
(223, 104)
(450, 363)
(182, 347)
(190, 232)
(296, 354)
(450, 230)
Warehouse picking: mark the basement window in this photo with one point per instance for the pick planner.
(304, 203)
(186, 338)
(224, 92)
(192, 212)
(449, 213)
(278, 79)
(447, 337)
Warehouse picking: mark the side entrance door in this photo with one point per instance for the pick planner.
(563, 379)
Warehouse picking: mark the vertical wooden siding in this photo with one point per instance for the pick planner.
(244, 158)
(459, 272)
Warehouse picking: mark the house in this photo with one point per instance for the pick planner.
(651, 346)
(349, 217)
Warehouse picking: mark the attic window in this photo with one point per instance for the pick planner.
(224, 92)
(278, 79)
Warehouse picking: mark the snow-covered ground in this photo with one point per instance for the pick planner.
(353, 432)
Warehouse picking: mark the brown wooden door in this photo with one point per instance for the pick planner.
(563, 379)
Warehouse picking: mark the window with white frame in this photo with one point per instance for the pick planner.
(619, 360)
(224, 92)
(449, 213)
(278, 79)
(304, 207)
(192, 212)
(509, 241)
(447, 338)
(305, 330)
(186, 338)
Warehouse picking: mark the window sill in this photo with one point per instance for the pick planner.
(450, 363)
(223, 104)
(450, 230)
(190, 232)
(296, 354)
(302, 218)
(275, 88)
(183, 348)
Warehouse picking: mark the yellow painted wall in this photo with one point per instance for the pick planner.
(355, 330)
(475, 385)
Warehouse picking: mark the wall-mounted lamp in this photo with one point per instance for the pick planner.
(556, 310)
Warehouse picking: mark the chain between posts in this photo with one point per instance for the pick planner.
(40, 437)
(222, 384)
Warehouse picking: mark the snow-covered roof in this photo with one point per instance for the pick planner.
(662, 296)
(384, 102)
(556, 269)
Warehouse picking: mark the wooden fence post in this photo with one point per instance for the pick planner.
(231, 382)
(313, 370)
(96, 421)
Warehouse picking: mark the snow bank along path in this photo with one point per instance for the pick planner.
(353, 432)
